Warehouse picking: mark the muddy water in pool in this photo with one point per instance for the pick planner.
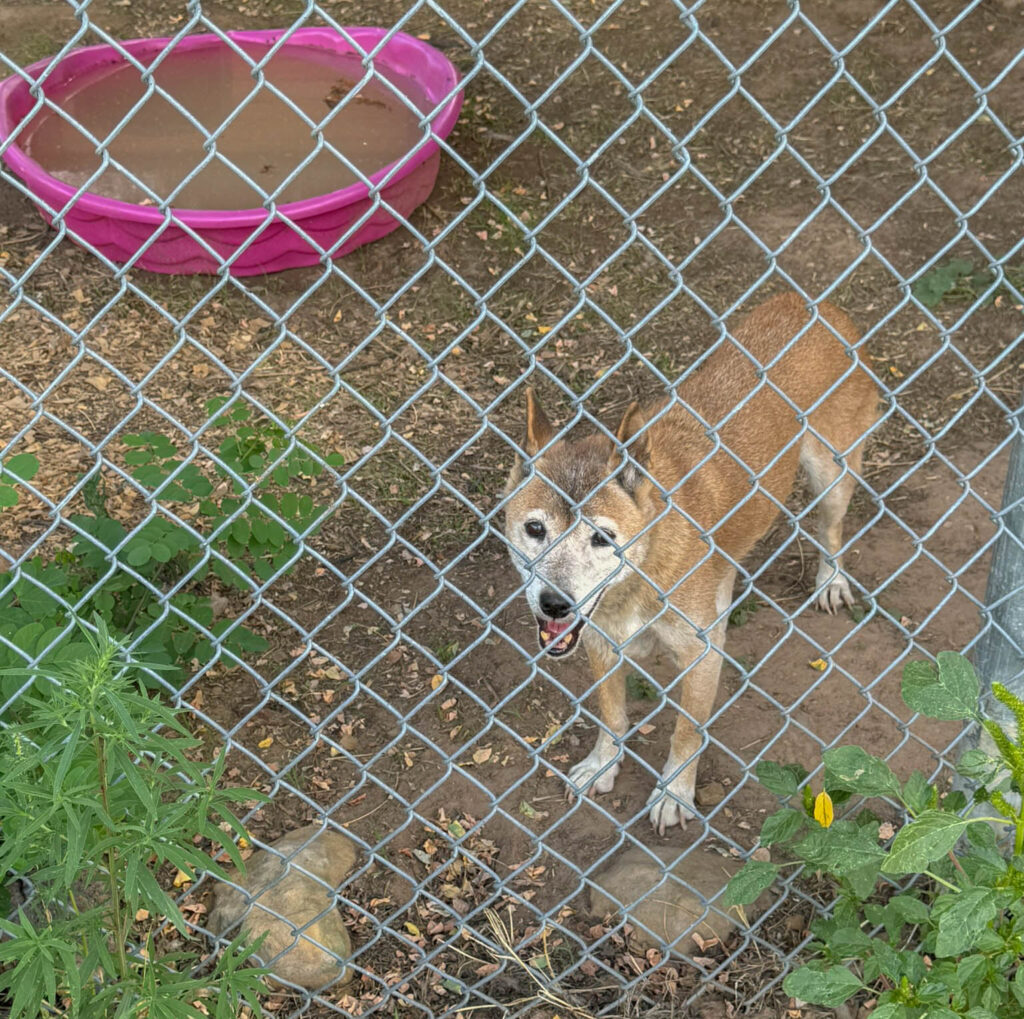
(267, 139)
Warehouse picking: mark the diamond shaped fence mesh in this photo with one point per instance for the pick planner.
(291, 486)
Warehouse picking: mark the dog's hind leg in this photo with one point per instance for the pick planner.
(597, 771)
(832, 485)
(698, 662)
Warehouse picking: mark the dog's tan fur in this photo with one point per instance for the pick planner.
(661, 579)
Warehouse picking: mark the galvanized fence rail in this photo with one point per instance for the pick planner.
(26, 291)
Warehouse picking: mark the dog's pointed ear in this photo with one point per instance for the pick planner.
(539, 431)
(630, 423)
(638, 447)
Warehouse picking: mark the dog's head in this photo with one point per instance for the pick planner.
(575, 523)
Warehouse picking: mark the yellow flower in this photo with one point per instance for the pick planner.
(823, 812)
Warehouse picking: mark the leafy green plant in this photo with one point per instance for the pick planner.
(100, 792)
(640, 688)
(744, 611)
(253, 458)
(943, 935)
(446, 651)
(22, 467)
(959, 279)
(152, 582)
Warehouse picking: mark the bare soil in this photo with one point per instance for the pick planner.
(599, 287)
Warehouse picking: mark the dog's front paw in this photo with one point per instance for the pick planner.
(671, 805)
(833, 591)
(594, 774)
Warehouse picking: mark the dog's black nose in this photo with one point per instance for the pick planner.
(554, 605)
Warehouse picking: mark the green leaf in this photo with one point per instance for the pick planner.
(890, 1010)
(898, 911)
(138, 553)
(782, 826)
(978, 765)
(948, 690)
(971, 971)
(289, 505)
(782, 779)
(160, 552)
(240, 639)
(935, 284)
(841, 849)
(8, 496)
(918, 795)
(240, 531)
(911, 909)
(258, 529)
(961, 923)
(150, 475)
(923, 841)
(863, 879)
(137, 457)
(23, 466)
(847, 942)
(749, 882)
(821, 984)
(854, 769)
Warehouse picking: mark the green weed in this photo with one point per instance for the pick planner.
(960, 280)
(639, 688)
(152, 582)
(949, 945)
(744, 611)
(101, 790)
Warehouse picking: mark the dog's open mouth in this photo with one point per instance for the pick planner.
(559, 637)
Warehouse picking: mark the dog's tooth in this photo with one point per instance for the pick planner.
(545, 636)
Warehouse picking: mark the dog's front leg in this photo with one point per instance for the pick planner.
(597, 771)
(698, 666)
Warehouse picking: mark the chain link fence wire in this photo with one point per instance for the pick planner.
(301, 477)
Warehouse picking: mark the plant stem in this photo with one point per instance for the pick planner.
(113, 864)
(956, 863)
(942, 881)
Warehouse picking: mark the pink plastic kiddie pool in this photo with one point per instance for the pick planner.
(181, 159)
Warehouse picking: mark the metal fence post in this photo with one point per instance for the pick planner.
(999, 653)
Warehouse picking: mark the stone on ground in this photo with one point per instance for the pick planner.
(310, 956)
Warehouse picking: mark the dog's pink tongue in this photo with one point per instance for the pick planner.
(554, 627)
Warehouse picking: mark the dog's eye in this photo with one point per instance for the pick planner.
(535, 529)
(602, 539)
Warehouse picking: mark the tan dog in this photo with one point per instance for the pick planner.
(645, 547)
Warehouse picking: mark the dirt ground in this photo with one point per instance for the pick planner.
(540, 271)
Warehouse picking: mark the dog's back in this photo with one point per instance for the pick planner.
(753, 394)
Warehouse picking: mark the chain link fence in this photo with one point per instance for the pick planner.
(291, 486)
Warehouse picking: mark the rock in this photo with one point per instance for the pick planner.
(276, 885)
(666, 912)
(711, 794)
